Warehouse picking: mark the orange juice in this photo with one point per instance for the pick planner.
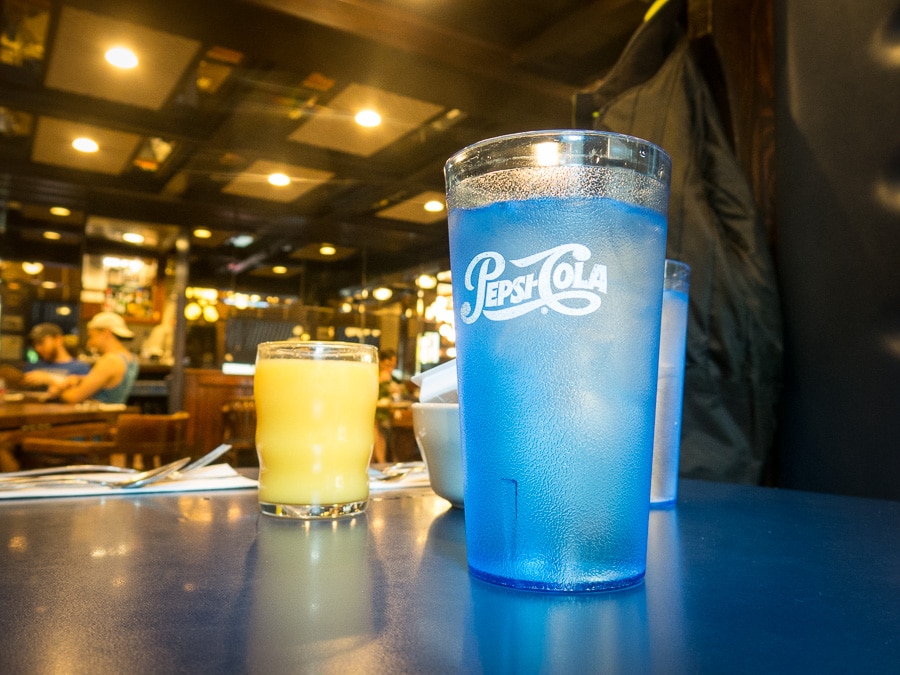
(315, 430)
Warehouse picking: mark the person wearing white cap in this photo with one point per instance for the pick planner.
(112, 376)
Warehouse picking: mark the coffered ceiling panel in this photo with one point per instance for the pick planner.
(333, 126)
(254, 182)
(78, 63)
(53, 140)
(425, 207)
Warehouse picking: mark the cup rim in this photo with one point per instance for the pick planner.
(652, 159)
(434, 404)
(324, 350)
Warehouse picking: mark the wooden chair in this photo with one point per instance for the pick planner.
(239, 431)
(140, 441)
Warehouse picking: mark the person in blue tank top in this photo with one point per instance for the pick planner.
(111, 378)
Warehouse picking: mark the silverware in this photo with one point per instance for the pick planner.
(65, 470)
(208, 458)
(119, 482)
(396, 471)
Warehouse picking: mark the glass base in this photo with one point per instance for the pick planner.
(573, 587)
(313, 511)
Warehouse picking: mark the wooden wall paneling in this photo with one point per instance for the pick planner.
(205, 392)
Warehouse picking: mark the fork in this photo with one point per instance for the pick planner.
(132, 481)
(208, 458)
(396, 471)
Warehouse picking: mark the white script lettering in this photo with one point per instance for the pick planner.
(561, 283)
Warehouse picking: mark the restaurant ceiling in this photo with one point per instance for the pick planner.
(226, 94)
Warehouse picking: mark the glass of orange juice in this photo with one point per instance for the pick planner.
(315, 427)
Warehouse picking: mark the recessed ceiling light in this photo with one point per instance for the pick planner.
(434, 206)
(279, 269)
(61, 211)
(279, 179)
(133, 237)
(327, 249)
(85, 145)
(63, 310)
(121, 57)
(202, 233)
(368, 118)
(50, 234)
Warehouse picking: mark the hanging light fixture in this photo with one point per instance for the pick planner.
(32, 268)
(382, 293)
(426, 281)
(192, 311)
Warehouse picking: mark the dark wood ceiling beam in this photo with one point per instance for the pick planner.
(582, 26)
(406, 56)
(188, 127)
(407, 32)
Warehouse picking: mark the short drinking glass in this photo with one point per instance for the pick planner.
(315, 427)
(557, 241)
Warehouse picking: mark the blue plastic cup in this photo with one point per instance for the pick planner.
(670, 384)
(557, 247)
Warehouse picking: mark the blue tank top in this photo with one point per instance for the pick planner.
(119, 393)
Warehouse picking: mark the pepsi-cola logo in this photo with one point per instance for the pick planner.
(558, 279)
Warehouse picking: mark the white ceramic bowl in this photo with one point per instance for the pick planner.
(436, 426)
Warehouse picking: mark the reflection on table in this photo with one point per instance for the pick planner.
(739, 579)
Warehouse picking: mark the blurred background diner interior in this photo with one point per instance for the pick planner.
(267, 169)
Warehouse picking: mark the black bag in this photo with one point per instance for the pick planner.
(733, 369)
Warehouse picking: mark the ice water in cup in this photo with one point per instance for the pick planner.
(557, 243)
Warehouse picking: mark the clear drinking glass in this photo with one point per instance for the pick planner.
(315, 427)
(557, 239)
(670, 383)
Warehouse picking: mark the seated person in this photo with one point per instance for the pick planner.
(111, 378)
(55, 360)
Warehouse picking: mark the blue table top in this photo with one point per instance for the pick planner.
(739, 579)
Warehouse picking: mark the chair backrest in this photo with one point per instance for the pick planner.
(239, 422)
(144, 441)
(239, 431)
(156, 438)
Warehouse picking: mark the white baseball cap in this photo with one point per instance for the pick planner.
(112, 322)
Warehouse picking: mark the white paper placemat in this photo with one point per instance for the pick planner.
(215, 477)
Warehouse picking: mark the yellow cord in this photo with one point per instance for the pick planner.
(654, 8)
